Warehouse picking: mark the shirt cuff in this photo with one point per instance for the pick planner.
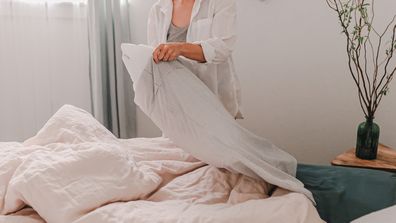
(208, 50)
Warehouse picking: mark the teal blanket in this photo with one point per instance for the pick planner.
(344, 194)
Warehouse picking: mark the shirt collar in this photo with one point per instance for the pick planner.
(166, 5)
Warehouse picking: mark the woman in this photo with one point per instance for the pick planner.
(204, 33)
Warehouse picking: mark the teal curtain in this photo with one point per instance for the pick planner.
(111, 87)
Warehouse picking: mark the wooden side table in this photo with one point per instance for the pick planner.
(386, 159)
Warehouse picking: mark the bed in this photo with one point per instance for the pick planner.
(75, 171)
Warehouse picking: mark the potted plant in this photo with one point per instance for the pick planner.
(371, 63)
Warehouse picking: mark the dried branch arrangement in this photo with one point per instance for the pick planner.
(369, 51)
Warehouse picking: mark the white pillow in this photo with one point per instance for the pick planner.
(384, 215)
(136, 58)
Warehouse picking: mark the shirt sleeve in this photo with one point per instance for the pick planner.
(220, 47)
(152, 27)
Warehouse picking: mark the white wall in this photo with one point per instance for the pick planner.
(44, 63)
(297, 91)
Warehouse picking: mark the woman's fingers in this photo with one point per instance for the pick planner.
(156, 53)
(163, 52)
(168, 55)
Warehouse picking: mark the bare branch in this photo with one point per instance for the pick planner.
(349, 41)
(361, 105)
(331, 4)
(385, 87)
(365, 66)
(356, 18)
(387, 27)
(390, 55)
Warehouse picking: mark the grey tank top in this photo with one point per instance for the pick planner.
(177, 34)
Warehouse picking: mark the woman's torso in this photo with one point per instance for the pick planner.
(220, 78)
(177, 34)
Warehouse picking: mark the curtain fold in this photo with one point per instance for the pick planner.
(111, 87)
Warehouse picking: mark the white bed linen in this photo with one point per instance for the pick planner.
(187, 112)
(75, 171)
(382, 216)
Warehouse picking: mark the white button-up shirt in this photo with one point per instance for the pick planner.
(213, 26)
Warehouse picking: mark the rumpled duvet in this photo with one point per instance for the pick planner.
(76, 171)
(186, 111)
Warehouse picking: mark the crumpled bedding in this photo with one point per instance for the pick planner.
(186, 111)
(75, 171)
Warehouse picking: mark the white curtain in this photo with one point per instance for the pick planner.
(44, 62)
(55, 52)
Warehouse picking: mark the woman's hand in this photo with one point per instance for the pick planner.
(167, 52)
(171, 51)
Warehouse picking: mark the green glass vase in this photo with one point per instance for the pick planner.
(367, 140)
